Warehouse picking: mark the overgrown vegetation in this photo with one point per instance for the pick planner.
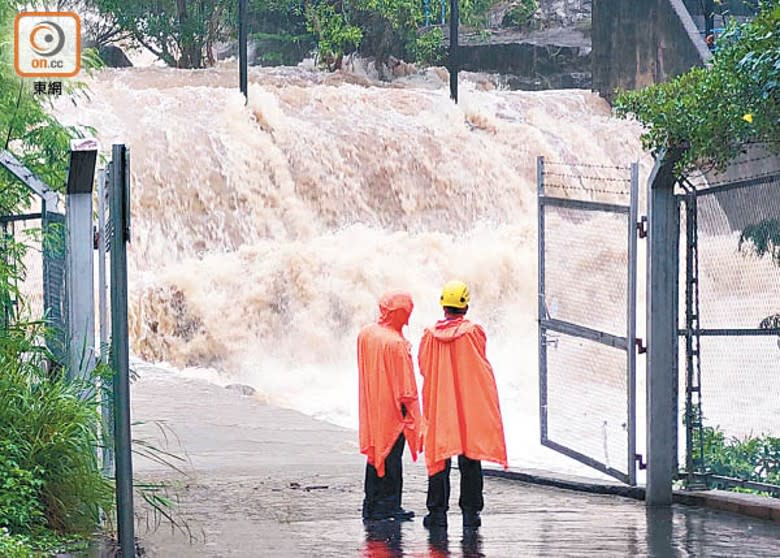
(429, 48)
(521, 14)
(48, 437)
(180, 32)
(751, 458)
(183, 33)
(715, 111)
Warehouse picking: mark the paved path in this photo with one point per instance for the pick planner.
(265, 481)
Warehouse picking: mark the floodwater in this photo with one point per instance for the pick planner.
(553, 523)
(264, 234)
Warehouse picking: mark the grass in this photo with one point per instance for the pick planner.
(49, 433)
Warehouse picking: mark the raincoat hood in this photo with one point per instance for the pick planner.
(449, 330)
(395, 307)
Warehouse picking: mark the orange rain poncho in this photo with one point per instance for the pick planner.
(460, 399)
(386, 380)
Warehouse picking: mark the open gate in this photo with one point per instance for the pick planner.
(587, 314)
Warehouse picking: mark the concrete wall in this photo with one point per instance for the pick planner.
(637, 43)
(531, 66)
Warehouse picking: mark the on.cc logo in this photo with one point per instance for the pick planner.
(47, 44)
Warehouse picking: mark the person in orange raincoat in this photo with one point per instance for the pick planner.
(389, 407)
(460, 408)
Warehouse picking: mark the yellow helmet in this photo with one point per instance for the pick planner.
(455, 294)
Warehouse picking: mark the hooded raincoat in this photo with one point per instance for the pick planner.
(460, 398)
(386, 381)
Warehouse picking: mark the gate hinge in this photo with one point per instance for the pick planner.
(639, 458)
(640, 345)
(641, 227)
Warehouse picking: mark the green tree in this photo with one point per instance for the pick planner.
(279, 29)
(96, 29)
(336, 36)
(383, 28)
(182, 33)
(714, 111)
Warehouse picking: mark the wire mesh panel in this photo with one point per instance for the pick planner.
(737, 287)
(587, 273)
(40, 272)
(587, 304)
(587, 400)
(735, 361)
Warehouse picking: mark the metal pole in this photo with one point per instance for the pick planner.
(542, 307)
(103, 285)
(427, 12)
(120, 350)
(453, 58)
(633, 219)
(242, 45)
(663, 270)
(443, 4)
(107, 389)
(80, 258)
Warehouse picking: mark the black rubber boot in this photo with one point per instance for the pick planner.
(471, 520)
(435, 520)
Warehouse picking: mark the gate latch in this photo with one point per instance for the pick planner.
(641, 227)
(640, 345)
(639, 458)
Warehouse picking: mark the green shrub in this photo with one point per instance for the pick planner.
(21, 507)
(751, 458)
(52, 424)
(14, 546)
(521, 14)
(429, 48)
(336, 36)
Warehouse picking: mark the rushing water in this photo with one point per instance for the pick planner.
(263, 234)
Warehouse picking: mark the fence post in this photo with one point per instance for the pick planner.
(663, 271)
(80, 274)
(107, 386)
(541, 311)
(242, 47)
(120, 350)
(453, 54)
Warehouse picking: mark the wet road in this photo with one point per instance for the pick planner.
(270, 482)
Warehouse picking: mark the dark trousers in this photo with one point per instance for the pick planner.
(383, 494)
(470, 487)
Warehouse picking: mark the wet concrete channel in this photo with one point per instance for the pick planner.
(265, 481)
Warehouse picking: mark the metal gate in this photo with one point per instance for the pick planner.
(587, 314)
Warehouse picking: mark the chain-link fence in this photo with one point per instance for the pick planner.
(730, 327)
(587, 286)
(33, 251)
